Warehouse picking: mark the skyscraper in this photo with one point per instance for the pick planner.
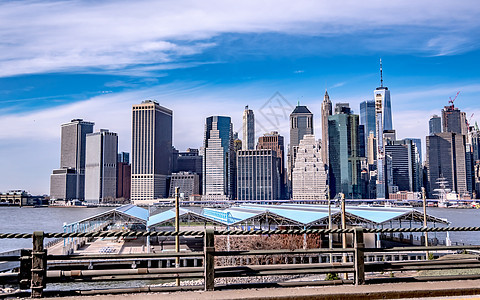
(248, 129)
(258, 175)
(301, 123)
(275, 142)
(218, 159)
(101, 166)
(309, 174)
(381, 184)
(384, 93)
(345, 153)
(326, 112)
(434, 125)
(72, 156)
(367, 118)
(446, 158)
(151, 150)
(454, 120)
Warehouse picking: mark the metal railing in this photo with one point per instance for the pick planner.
(34, 275)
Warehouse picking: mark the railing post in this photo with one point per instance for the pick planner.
(359, 256)
(25, 275)
(209, 260)
(39, 265)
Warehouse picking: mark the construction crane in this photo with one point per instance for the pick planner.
(469, 120)
(453, 100)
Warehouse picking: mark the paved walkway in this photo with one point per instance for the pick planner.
(444, 289)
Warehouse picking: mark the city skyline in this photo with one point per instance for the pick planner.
(429, 52)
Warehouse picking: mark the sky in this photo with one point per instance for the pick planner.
(61, 60)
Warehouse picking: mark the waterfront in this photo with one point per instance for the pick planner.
(51, 219)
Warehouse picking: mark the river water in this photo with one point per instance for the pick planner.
(51, 219)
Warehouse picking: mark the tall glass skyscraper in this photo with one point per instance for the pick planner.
(434, 125)
(218, 159)
(345, 155)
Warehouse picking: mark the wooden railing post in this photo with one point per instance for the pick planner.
(359, 256)
(25, 275)
(209, 260)
(39, 265)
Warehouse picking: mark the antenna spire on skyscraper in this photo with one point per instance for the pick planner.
(381, 73)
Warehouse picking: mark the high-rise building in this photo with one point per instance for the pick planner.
(72, 154)
(344, 148)
(218, 159)
(123, 157)
(380, 179)
(326, 112)
(101, 166)
(309, 174)
(275, 142)
(187, 182)
(258, 175)
(371, 149)
(248, 129)
(151, 150)
(63, 184)
(301, 123)
(454, 120)
(434, 125)
(384, 93)
(124, 180)
(446, 158)
(367, 117)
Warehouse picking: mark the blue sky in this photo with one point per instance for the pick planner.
(61, 60)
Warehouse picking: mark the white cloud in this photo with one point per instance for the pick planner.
(38, 36)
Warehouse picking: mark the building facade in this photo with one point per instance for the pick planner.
(151, 150)
(258, 175)
(63, 184)
(72, 157)
(326, 112)
(454, 120)
(218, 159)
(446, 158)
(301, 124)
(248, 129)
(310, 179)
(345, 154)
(187, 182)
(275, 142)
(434, 125)
(101, 167)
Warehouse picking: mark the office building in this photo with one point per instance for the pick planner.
(218, 159)
(380, 178)
(326, 112)
(275, 142)
(434, 125)
(151, 150)
(258, 175)
(454, 120)
(310, 179)
(446, 158)
(101, 167)
(124, 178)
(187, 182)
(367, 117)
(384, 93)
(371, 149)
(248, 129)
(345, 141)
(123, 157)
(301, 123)
(63, 184)
(72, 155)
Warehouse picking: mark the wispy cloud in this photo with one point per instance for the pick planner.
(109, 36)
